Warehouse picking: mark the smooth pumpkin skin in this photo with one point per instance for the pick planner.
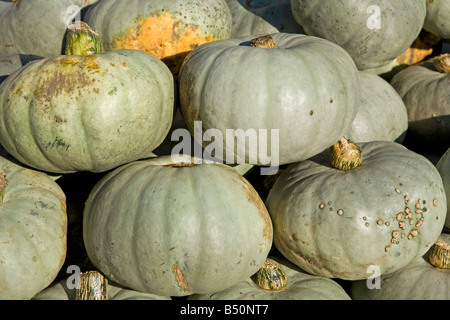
(35, 27)
(345, 23)
(419, 280)
(167, 29)
(443, 166)
(336, 223)
(424, 91)
(33, 228)
(259, 17)
(381, 115)
(300, 286)
(175, 231)
(60, 291)
(86, 113)
(307, 88)
(437, 20)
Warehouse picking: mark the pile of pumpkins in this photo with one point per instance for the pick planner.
(92, 93)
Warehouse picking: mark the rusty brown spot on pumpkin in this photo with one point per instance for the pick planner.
(165, 36)
(180, 279)
(180, 165)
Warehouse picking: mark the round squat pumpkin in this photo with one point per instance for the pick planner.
(260, 17)
(37, 27)
(381, 115)
(424, 89)
(33, 228)
(279, 280)
(374, 33)
(89, 112)
(437, 19)
(426, 278)
(443, 166)
(304, 89)
(344, 210)
(167, 29)
(176, 228)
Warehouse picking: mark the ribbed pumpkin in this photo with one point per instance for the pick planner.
(279, 280)
(176, 228)
(376, 203)
(424, 89)
(88, 112)
(33, 227)
(306, 87)
(374, 32)
(419, 280)
(36, 27)
(167, 29)
(261, 17)
(443, 166)
(381, 115)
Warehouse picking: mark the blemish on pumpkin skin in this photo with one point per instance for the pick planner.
(163, 35)
(180, 279)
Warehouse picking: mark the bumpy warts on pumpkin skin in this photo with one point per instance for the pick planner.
(165, 36)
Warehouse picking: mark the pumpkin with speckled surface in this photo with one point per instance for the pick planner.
(259, 17)
(33, 228)
(419, 280)
(167, 29)
(86, 113)
(385, 212)
(176, 228)
(305, 89)
(37, 27)
(299, 286)
(381, 115)
(443, 166)
(373, 32)
(424, 89)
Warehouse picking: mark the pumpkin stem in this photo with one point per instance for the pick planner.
(80, 39)
(3, 184)
(266, 42)
(442, 63)
(93, 286)
(271, 276)
(439, 255)
(345, 155)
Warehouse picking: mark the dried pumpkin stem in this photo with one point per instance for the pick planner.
(80, 39)
(439, 255)
(271, 276)
(93, 286)
(442, 63)
(265, 41)
(345, 155)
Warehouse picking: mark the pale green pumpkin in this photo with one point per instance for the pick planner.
(33, 228)
(306, 89)
(374, 32)
(381, 115)
(86, 113)
(37, 27)
(386, 212)
(297, 285)
(437, 19)
(419, 280)
(443, 166)
(176, 228)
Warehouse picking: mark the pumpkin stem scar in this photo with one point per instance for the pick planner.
(180, 279)
(442, 63)
(93, 286)
(81, 41)
(3, 184)
(265, 41)
(271, 276)
(440, 255)
(345, 155)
